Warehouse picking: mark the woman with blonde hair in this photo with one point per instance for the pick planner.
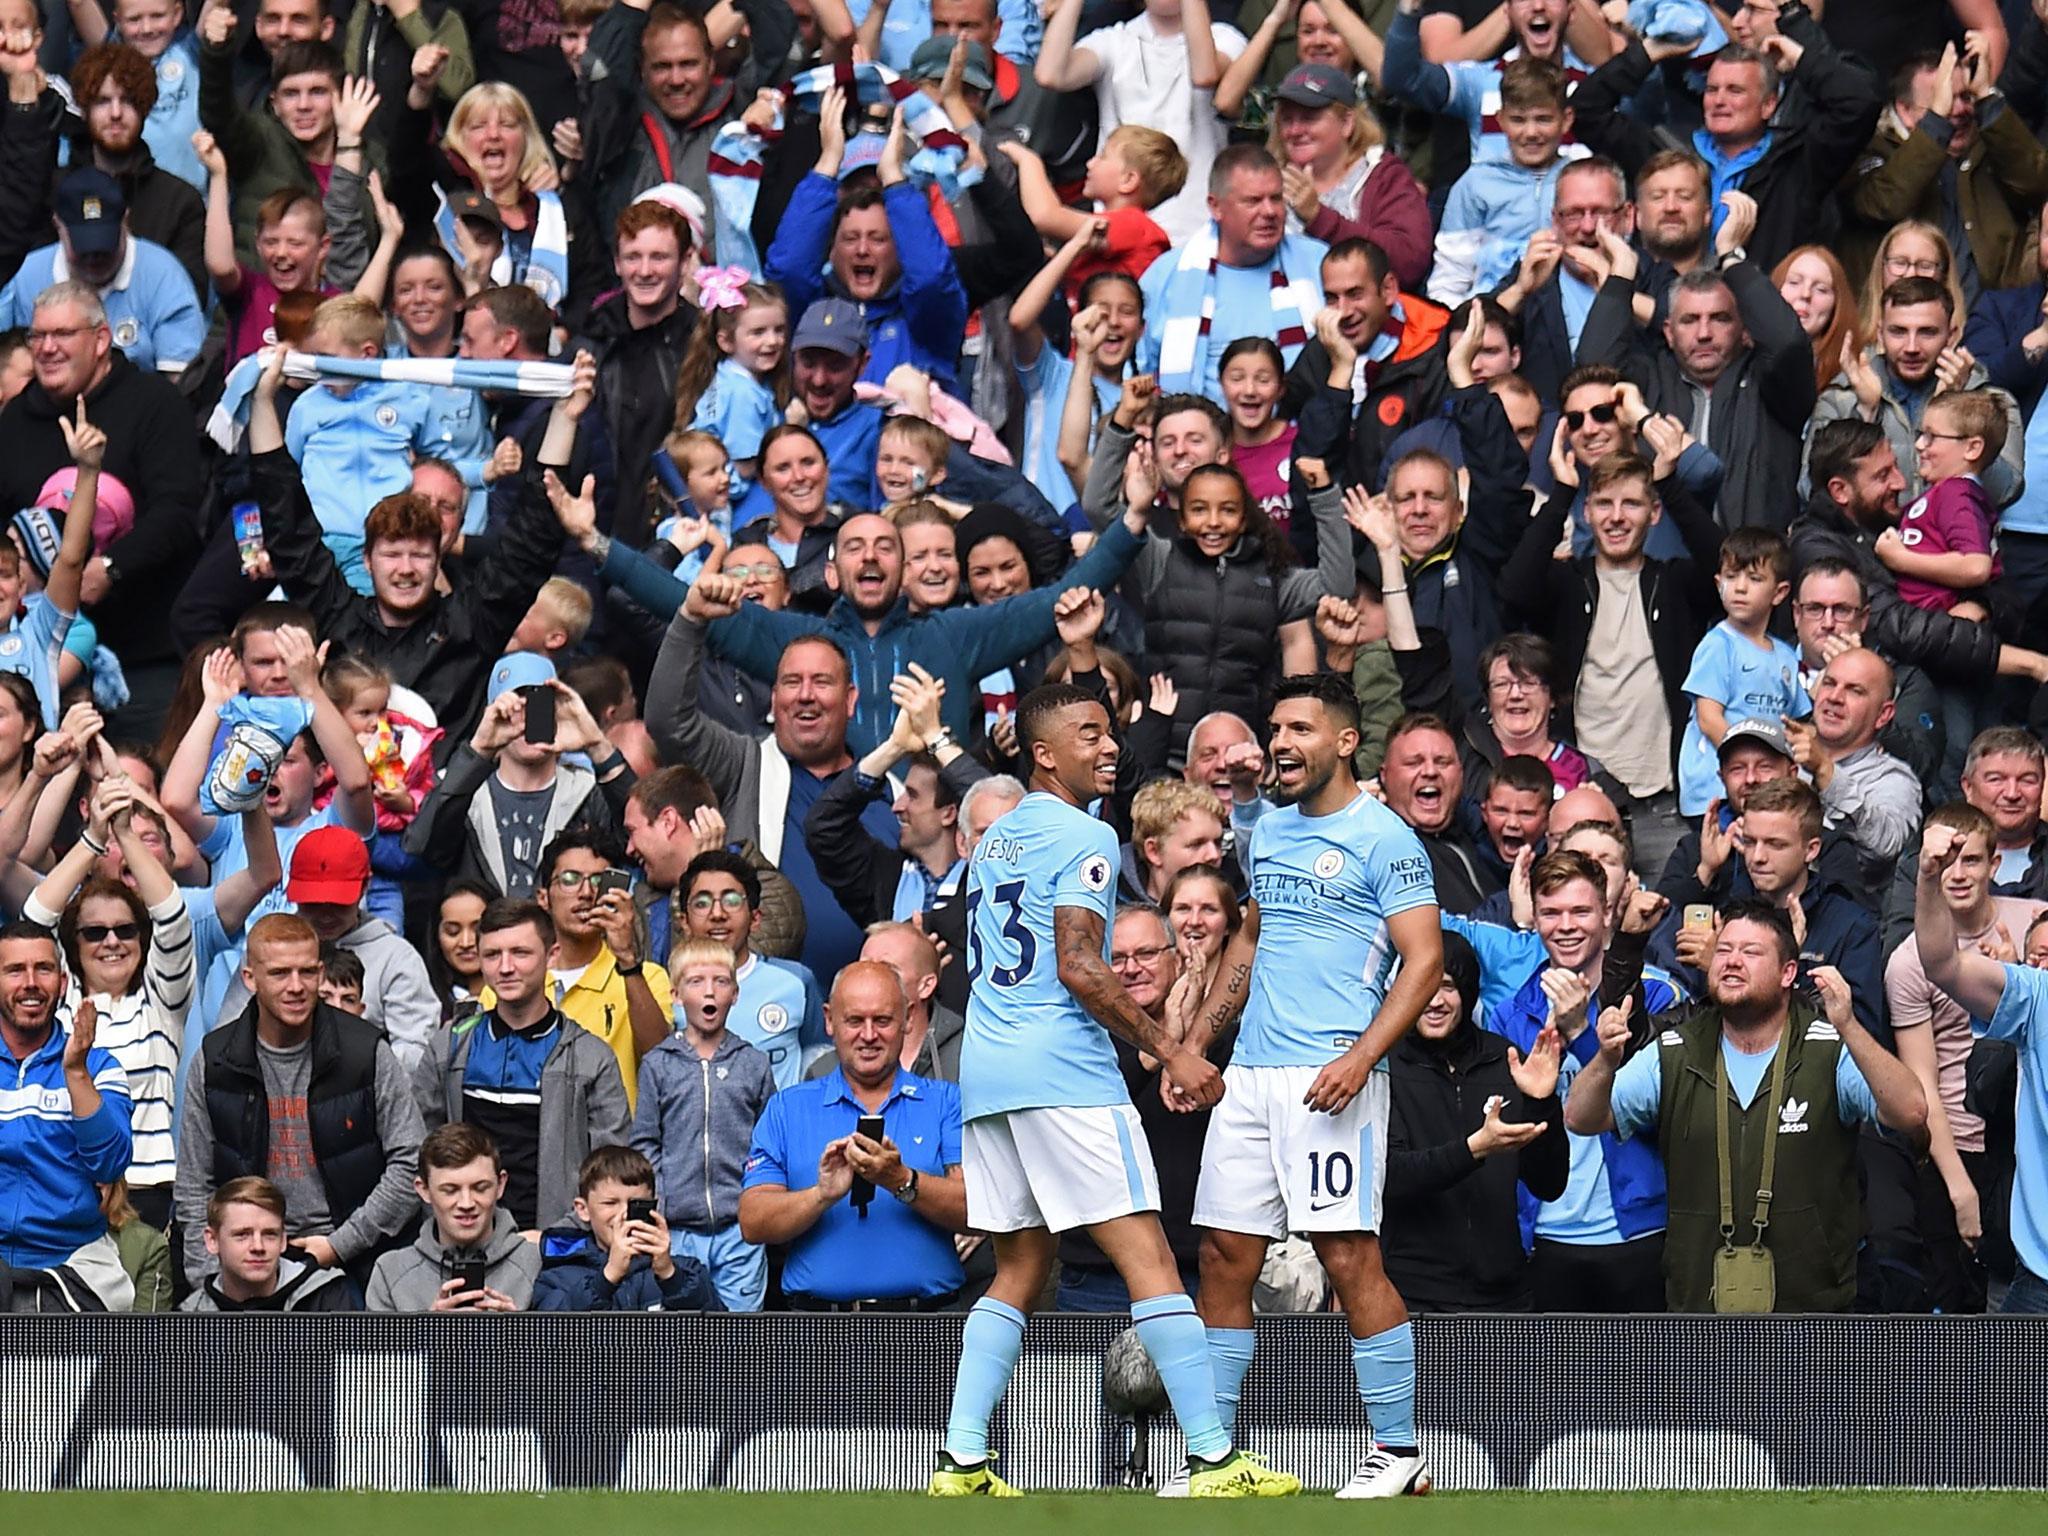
(1813, 281)
(1340, 179)
(499, 184)
(1911, 248)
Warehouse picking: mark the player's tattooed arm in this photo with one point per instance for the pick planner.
(1077, 941)
(1231, 987)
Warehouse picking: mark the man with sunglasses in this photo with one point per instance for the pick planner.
(545, 1089)
(780, 1010)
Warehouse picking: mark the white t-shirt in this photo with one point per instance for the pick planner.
(1144, 80)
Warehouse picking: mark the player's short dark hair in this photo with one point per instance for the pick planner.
(1201, 405)
(1838, 446)
(722, 861)
(341, 967)
(1037, 709)
(1833, 565)
(1378, 267)
(21, 929)
(1752, 909)
(457, 1145)
(619, 1165)
(1329, 689)
(1757, 550)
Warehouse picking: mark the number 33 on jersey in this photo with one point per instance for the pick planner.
(1029, 1044)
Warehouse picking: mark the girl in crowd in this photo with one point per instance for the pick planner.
(455, 960)
(735, 379)
(1203, 913)
(1814, 283)
(1261, 440)
(1226, 610)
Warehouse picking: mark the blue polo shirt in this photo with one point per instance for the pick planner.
(895, 1251)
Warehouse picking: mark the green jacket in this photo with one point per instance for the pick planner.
(2000, 184)
(262, 155)
(1816, 1213)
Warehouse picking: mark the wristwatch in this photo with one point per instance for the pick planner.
(638, 967)
(1734, 258)
(908, 1193)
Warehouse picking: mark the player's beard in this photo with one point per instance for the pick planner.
(1313, 783)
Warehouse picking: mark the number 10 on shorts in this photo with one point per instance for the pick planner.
(1331, 1174)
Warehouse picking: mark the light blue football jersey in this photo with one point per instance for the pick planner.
(1325, 886)
(1029, 1044)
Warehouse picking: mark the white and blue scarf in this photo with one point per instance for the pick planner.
(1189, 304)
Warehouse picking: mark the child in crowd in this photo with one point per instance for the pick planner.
(156, 29)
(398, 749)
(35, 625)
(735, 379)
(1065, 398)
(1135, 171)
(578, 17)
(1942, 547)
(341, 978)
(701, 522)
(291, 254)
(17, 363)
(1740, 671)
(910, 459)
(291, 321)
(355, 439)
(617, 1259)
(1261, 440)
(701, 1090)
(1497, 205)
(556, 622)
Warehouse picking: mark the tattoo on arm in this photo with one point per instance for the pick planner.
(1077, 939)
(1232, 987)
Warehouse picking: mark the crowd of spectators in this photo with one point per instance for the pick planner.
(530, 526)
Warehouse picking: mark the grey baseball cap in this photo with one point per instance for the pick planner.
(1765, 730)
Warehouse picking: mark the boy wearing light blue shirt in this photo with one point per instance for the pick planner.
(1740, 671)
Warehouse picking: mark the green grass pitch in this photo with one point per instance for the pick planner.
(1107, 1514)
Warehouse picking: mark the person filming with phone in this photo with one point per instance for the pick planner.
(512, 786)
(545, 1089)
(859, 1170)
(617, 1257)
(470, 1256)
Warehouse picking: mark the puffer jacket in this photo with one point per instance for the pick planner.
(695, 1123)
(1213, 626)
(301, 1287)
(1406, 388)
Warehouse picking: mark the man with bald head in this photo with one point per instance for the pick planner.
(1589, 802)
(868, 1220)
(931, 1030)
(1865, 792)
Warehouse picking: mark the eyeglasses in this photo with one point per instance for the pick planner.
(1604, 414)
(1841, 613)
(1516, 685)
(704, 901)
(1145, 956)
(576, 879)
(1929, 266)
(58, 333)
(99, 933)
(747, 572)
(1925, 436)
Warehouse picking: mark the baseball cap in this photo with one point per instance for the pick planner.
(330, 866)
(474, 205)
(934, 55)
(1770, 732)
(833, 324)
(519, 669)
(90, 206)
(1318, 85)
(863, 153)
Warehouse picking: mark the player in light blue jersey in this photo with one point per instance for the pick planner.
(1341, 895)
(1050, 1140)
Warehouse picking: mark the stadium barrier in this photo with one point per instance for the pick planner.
(788, 1402)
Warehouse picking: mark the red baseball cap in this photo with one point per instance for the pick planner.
(331, 866)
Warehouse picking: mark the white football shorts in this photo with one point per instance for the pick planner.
(1271, 1165)
(1056, 1168)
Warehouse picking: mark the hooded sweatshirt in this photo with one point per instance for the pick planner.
(301, 1287)
(409, 1279)
(695, 1123)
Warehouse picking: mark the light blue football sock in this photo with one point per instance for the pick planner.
(1230, 1356)
(1385, 1364)
(1172, 1334)
(988, 1354)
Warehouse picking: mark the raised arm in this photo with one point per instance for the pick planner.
(1975, 981)
(1245, 69)
(222, 265)
(1229, 988)
(1061, 65)
(1205, 63)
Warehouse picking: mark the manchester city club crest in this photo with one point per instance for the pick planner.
(387, 416)
(774, 1019)
(125, 332)
(1328, 863)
